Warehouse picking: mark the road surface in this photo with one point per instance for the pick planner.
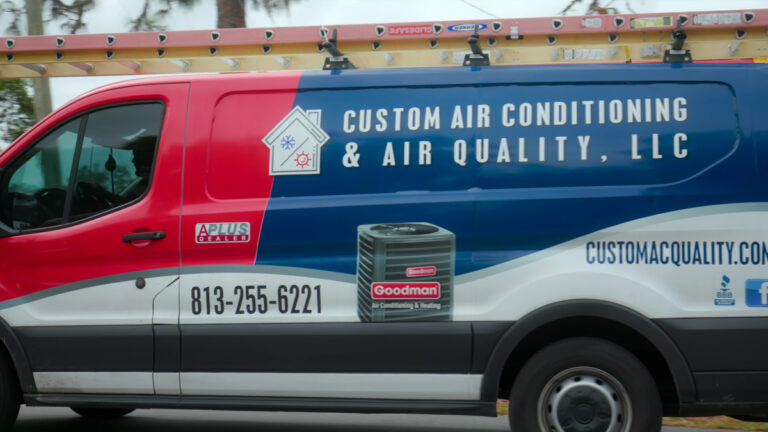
(37, 419)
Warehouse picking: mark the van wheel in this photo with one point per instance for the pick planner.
(584, 384)
(102, 413)
(10, 394)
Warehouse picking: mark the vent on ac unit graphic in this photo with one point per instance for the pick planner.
(405, 272)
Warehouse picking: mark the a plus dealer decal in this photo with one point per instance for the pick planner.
(227, 232)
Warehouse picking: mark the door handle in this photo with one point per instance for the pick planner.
(151, 235)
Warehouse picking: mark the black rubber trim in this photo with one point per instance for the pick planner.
(88, 348)
(732, 387)
(167, 348)
(701, 409)
(486, 335)
(267, 404)
(75, 162)
(423, 347)
(686, 389)
(18, 356)
(721, 344)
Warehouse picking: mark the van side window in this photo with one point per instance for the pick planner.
(116, 158)
(36, 189)
(90, 165)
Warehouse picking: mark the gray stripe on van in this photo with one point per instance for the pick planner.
(63, 289)
(268, 269)
(170, 271)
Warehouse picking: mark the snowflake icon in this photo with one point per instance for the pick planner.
(288, 142)
(302, 160)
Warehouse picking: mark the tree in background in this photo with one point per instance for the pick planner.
(231, 13)
(599, 7)
(70, 15)
(31, 11)
(29, 15)
(151, 17)
(16, 109)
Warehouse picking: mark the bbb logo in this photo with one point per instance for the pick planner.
(757, 292)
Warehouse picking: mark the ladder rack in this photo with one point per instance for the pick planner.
(560, 40)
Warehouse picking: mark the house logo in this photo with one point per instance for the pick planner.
(295, 143)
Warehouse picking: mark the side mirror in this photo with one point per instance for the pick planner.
(6, 231)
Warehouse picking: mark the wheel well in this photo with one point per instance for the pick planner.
(17, 359)
(13, 372)
(602, 328)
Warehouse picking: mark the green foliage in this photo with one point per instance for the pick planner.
(270, 6)
(16, 111)
(151, 17)
(72, 13)
(15, 12)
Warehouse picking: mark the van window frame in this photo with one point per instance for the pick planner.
(83, 116)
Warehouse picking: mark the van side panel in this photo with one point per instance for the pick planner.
(467, 196)
(392, 235)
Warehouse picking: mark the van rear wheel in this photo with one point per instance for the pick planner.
(102, 413)
(584, 384)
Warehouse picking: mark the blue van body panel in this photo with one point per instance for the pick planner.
(499, 207)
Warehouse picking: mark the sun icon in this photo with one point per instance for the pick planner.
(302, 160)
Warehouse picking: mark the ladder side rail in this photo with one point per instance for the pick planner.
(371, 32)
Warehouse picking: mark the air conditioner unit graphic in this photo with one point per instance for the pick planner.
(405, 272)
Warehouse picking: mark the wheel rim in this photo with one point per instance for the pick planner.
(584, 399)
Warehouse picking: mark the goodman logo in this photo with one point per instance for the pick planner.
(420, 271)
(227, 232)
(405, 291)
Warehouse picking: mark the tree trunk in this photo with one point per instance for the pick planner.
(231, 13)
(41, 86)
(42, 96)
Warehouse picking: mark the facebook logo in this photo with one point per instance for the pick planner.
(757, 292)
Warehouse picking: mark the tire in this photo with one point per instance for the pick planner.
(584, 384)
(10, 394)
(102, 413)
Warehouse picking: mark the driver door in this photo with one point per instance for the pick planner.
(88, 256)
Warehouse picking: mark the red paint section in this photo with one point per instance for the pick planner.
(227, 165)
(94, 248)
(225, 181)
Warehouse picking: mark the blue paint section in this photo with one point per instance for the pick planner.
(513, 160)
